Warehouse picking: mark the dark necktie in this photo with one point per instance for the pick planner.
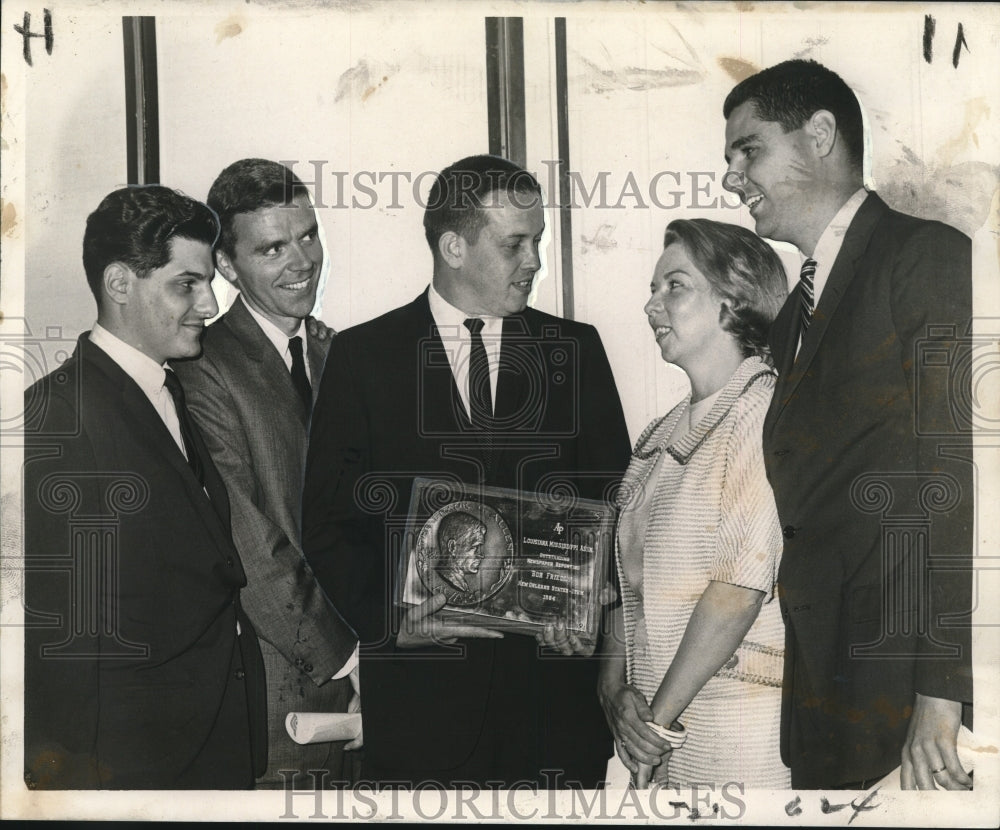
(299, 378)
(187, 431)
(806, 300)
(480, 389)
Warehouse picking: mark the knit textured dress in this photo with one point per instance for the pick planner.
(696, 507)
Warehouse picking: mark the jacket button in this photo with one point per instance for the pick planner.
(788, 532)
(229, 561)
(239, 674)
(307, 668)
(299, 662)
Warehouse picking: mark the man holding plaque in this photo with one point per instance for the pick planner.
(468, 386)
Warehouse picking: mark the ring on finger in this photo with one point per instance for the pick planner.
(936, 771)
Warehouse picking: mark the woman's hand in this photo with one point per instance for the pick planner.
(626, 711)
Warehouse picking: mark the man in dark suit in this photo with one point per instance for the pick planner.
(867, 452)
(251, 392)
(467, 384)
(141, 670)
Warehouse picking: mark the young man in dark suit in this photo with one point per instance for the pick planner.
(867, 452)
(141, 670)
(251, 393)
(402, 397)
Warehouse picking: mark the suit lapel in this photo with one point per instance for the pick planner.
(512, 377)
(518, 364)
(268, 364)
(843, 272)
(441, 404)
(151, 431)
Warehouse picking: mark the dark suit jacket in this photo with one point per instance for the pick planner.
(388, 411)
(869, 455)
(241, 395)
(134, 675)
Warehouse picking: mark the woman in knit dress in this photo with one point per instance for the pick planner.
(697, 642)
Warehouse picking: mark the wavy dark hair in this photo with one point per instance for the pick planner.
(135, 226)
(741, 268)
(790, 92)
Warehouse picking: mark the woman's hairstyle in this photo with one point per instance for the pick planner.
(741, 268)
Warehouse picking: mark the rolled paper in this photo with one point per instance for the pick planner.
(321, 727)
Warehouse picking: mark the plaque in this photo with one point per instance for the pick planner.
(506, 559)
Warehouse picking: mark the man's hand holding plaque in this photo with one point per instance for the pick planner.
(555, 636)
(420, 627)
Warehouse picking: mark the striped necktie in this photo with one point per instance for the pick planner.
(806, 299)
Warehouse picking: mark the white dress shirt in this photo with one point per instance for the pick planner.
(830, 243)
(146, 372)
(279, 338)
(457, 342)
(832, 240)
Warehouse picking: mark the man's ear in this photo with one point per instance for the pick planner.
(117, 282)
(225, 265)
(452, 247)
(822, 128)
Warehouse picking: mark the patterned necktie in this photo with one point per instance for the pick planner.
(480, 389)
(299, 378)
(173, 385)
(806, 300)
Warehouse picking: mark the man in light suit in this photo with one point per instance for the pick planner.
(251, 393)
(468, 384)
(869, 458)
(141, 669)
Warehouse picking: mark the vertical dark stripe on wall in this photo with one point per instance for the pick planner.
(565, 196)
(142, 114)
(505, 87)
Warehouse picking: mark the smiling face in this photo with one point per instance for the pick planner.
(684, 311)
(772, 171)
(497, 270)
(165, 311)
(276, 261)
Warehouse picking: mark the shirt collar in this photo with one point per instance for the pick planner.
(833, 237)
(448, 318)
(272, 332)
(145, 371)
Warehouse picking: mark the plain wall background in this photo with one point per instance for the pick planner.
(362, 90)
